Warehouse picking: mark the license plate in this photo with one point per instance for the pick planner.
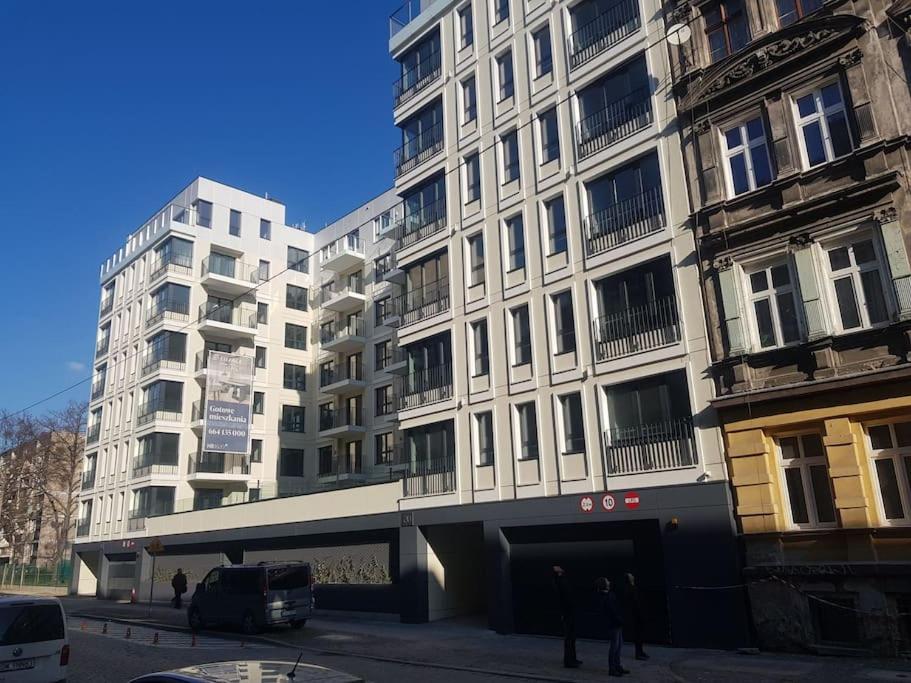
(19, 665)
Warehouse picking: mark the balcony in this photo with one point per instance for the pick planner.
(217, 468)
(88, 479)
(405, 14)
(636, 329)
(227, 322)
(397, 363)
(106, 306)
(388, 270)
(153, 361)
(197, 414)
(418, 149)
(654, 447)
(178, 264)
(420, 224)
(101, 348)
(429, 477)
(624, 221)
(341, 423)
(416, 79)
(151, 411)
(98, 389)
(423, 387)
(83, 526)
(178, 311)
(147, 467)
(344, 338)
(423, 303)
(229, 276)
(607, 29)
(137, 521)
(341, 380)
(618, 120)
(343, 298)
(340, 468)
(343, 255)
(92, 433)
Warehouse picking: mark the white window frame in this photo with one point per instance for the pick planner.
(514, 339)
(748, 149)
(750, 298)
(463, 99)
(476, 154)
(507, 251)
(803, 464)
(461, 13)
(819, 115)
(535, 55)
(517, 416)
(854, 271)
(472, 335)
(897, 454)
(469, 240)
(498, 68)
(476, 437)
(503, 167)
(561, 409)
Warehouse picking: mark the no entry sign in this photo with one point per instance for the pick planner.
(586, 504)
(631, 500)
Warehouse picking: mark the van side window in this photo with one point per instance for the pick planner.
(211, 581)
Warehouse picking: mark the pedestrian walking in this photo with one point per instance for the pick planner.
(633, 620)
(179, 584)
(567, 617)
(613, 621)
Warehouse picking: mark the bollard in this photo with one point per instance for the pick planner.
(132, 596)
(243, 644)
(129, 633)
(104, 628)
(193, 642)
(82, 626)
(155, 639)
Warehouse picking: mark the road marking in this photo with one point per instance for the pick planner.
(145, 635)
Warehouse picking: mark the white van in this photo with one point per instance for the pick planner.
(34, 647)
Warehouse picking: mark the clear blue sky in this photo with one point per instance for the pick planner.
(108, 108)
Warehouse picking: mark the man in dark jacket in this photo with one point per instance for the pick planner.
(567, 616)
(179, 584)
(632, 612)
(613, 621)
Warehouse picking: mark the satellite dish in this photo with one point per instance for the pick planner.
(678, 34)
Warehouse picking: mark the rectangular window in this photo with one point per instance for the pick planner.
(484, 432)
(773, 306)
(806, 480)
(291, 462)
(262, 313)
(521, 335)
(528, 431)
(466, 27)
(382, 354)
(790, 11)
(384, 451)
(890, 448)
(295, 336)
(822, 125)
(856, 280)
(500, 10)
(256, 450)
(295, 377)
(469, 100)
(550, 136)
(510, 144)
(263, 270)
(544, 62)
(299, 260)
(265, 229)
(293, 419)
(296, 298)
(380, 310)
(726, 27)
(472, 178)
(747, 157)
(555, 211)
(505, 76)
(234, 223)
(564, 322)
(515, 236)
(476, 259)
(325, 461)
(259, 403)
(259, 359)
(480, 348)
(573, 428)
(383, 400)
(203, 213)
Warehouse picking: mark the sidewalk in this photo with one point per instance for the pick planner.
(42, 591)
(464, 645)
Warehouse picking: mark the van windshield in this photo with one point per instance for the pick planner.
(30, 624)
(289, 577)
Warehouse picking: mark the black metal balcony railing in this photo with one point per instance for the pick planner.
(106, 306)
(429, 477)
(230, 315)
(156, 360)
(98, 389)
(231, 268)
(638, 328)
(341, 417)
(158, 410)
(144, 466)
(329, 376)
(218, 463)
(88, 479)
(170, 309)
(418, 149)
(331, 333)
(421, 223)
(174, 263)
(619, 119)
(653, 447)
(607, 29)
(416, 79)
(92, 433)
(102, 347)
(83, 526)
(419, 304)
(421, 387)
(624, 221)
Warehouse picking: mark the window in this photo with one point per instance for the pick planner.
(806, 480)
(380, 310)
(234, 223)
(476, 259)
(469, 100)
(555, 212)
(263, 270)
(259, 403)
(472, 178)
(550, 136)
(564, 322)
(203, 213)
(383, 400)
(296, 298)
(299, 260)
(385, 451)
(773, 306)
(521, 335)
(822, 124)
(295, 336)
(790, 11)
(265, 229)
(259, 359)
(466, 26)
(544, 62)
(293, 419)
(382, 224)
(325, 461)
(500, 10)
(382, 354)
(295, 377)
(726, 28)
(480, 348)
(528, 431)
(890, 446)
(510, 143)
(515, 237)
(504, 76)
(291, 462)
(262, 313)
(855, 278)
(256, 450)
(484, 430)
(573, 429)
(747, 157)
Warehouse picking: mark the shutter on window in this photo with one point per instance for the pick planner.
(809, 292)
(732, 320)
(897, 256)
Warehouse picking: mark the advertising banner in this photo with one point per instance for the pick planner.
(229, 403)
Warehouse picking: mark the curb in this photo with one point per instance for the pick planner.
(172, 628)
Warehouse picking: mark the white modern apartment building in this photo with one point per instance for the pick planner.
(506, 366)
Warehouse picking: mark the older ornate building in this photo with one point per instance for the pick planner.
(796, 128)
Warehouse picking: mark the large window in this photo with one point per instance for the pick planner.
(295, 336)
(476, 259)
(293, 419)
(484, 434)
(234, 223)
(299, 260)
(823, 125)
(510, 144)
(773, 306)
(806, 480)
(469, 100)
(500, 10)
(790, 11)
(472, 178)
(544, 62)
(527, 419)
(480, 348)
(295, 377)
(383, 400)
(265, 229)
(746, 157)
(726, 27)
(291, 462)
(259, 357)
(573, 426)
(521, 335)
(505, 82)
(550, 136)
(555, 211)
(564, 323)
(856, 281)
(890, 446)
(384, 449)
(466, 27)
(296, 298)
(515, 237)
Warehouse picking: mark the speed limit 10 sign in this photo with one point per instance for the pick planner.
(608, 502)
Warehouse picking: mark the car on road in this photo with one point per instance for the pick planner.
(253, 596)
(34, 646)
(249, 672)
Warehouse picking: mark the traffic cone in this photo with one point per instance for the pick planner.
(129, 633)
(155, 639)
(132, 596)
(104, 628)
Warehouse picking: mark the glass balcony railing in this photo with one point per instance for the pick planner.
(341, 417)
(218, 463)
(158, 410)
(147, 465)
(230, 315)
(331, 333)
(88, 479)
(328, 376)
(405, 14)
(92, 433)
(230, 268)
(83, 527)
(170, 310)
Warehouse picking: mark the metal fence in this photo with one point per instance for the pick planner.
(23, 575)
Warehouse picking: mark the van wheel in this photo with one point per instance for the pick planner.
(298, 624)
(195, 619)
(248, 624)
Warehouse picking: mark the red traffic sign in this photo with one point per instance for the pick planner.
(631, 500)
(608, 502)
(586, 504)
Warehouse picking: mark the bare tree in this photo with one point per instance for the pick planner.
(17, 474)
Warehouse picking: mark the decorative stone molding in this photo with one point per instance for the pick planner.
(800, 241)
(723, 263)
(886, 215)
(702, 126)
(851, 58)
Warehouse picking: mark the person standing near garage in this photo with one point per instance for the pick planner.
(567, 617)
(632, 615)
(613, 622)
(179, 584)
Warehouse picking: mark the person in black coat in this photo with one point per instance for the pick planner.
(567, 617)
(613, 621)
(633, 618)
(179, 584)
